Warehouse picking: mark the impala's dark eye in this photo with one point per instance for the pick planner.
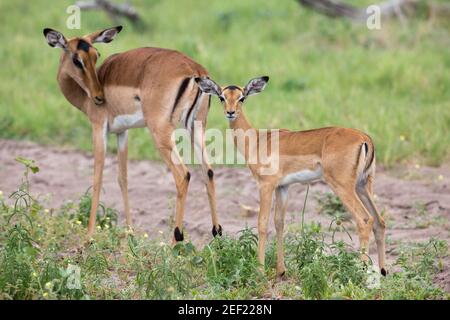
(222, 99)
(242, 99)
(77, 62)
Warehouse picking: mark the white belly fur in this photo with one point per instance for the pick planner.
(127, 121)
(303, 176)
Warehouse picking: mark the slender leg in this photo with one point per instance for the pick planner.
(181, 175)
(198, 137)
(365, 193)
(122, 155)
(265, 193)
(364, 221)
(99, 142)
(281, 196)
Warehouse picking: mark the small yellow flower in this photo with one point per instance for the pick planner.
(106, 227)
(78, 222)
(45, 295)
(417, 166)
(440, 177)
(34, 274)
(161, 244)
(145, 235)
(46, 211)
(48, 285)
(1, 193)
(99, 228)
(402, 138)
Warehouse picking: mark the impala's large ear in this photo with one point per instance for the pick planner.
(208, 86)
(255, 86)
(55, 38)
(104, 36)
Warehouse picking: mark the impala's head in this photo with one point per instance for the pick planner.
(232, 97)
(80, 57)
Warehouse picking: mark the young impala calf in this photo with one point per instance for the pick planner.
(344, 158)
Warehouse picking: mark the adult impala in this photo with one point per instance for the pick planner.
(343, 158)
(150, 87)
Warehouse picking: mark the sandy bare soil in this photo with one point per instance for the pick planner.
(65, 174)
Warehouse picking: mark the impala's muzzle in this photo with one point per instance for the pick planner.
(99, 100)
(230, 115)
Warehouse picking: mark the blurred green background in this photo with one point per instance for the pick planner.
(393, 83)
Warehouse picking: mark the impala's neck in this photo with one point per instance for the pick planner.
(241, 123)
(70, 88)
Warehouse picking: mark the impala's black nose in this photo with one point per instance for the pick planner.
(99, 100)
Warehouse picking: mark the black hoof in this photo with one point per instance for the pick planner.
(281, 276)
(383, 272)
(216, 232)
(178, 235)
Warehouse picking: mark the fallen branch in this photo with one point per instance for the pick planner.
(389, 8)
(114, 10)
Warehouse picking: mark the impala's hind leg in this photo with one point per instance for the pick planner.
(365, 193)
(170, 155)
(281, 197)
(122, 155)
(364, 221)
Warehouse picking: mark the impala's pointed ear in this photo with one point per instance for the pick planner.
(208, 86)
(55, 38)
(255, 86)
(104, 36)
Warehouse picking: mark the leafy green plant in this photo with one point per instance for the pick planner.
(233, 262)
(330, 204)
(106, 217)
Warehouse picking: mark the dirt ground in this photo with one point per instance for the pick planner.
(415, 200)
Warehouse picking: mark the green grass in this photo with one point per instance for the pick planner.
(390, 83)
(44, 255)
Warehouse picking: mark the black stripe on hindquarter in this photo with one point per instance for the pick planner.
(181, 90)
(372, 157)
(192, 107)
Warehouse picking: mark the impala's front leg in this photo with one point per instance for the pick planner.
(265, 194)
(99, 143)
(281, 195)
(208, 175)
(122, 155)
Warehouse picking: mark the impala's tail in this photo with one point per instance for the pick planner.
(366, 161)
